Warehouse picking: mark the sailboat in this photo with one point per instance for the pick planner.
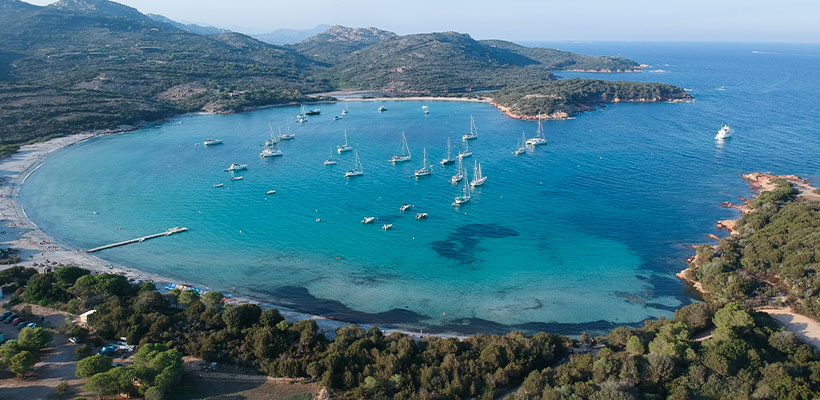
(357, 167)
(272, 139)
(426, 109)
(344, 112)
(405, 151)
(286, 136)
(522, 145)
(426, 168)
(473, 131)
(302, 117)
(478, 177)
(271, 151)
(464, 198)
(448, 158)
(330, 161)
(345, 147)
(466, 153)
(538, 139)
(459, 174)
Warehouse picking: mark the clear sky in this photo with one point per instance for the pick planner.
(547, 20)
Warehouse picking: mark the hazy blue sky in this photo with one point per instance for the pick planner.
(632, 20)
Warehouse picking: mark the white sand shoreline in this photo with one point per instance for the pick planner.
(37, 249)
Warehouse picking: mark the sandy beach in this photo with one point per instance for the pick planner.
(37, 249)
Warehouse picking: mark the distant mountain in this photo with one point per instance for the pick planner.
(193, 28)
(290, 36)
(339, 41)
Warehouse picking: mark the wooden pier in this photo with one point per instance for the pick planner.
(168, 232)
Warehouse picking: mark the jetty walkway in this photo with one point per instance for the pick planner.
(168, 232)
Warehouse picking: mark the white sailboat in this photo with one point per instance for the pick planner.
(725, 132)
(464, 197)
(522, 145)
(473, 131)
(330, 161)
(459, 173)
(478, 177)
(345, 147)
(357, 167)
(344, 112)
(539, 139)
(302, 117)
(448, 158)
(405, 151)
(426, 168)
(271, 147)
(466, 153)
(272, 138)
(286, 136)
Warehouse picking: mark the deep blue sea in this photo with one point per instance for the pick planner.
(580, 234)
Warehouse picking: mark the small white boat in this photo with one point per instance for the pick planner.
(466, 153)
(539, 139)
(459, 173)
(330, 161)
(237, 167)
(270, 192)
(421, 215)
(478, 177)
(286, 136)
(357, 167)
(386, 226)
(725, 132)
(464, 197)
(209, 142)
(405, 151)
(405, 207)
(426, 167)
(368, 220)
(219, 185)
(426, 109)
(301, 119)
(337, 117)
(236, 178)
(382, 108)
(522, 146)
(473, 131)
(448, 157)
(345, 147)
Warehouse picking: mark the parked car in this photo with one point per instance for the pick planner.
(2, 338)
(106, 351)
(74, 340)
(5, 314)
(21, 325)
(16, 321)
(31, 325)
(10, 317)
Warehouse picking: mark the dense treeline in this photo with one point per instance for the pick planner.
(773, 252)
(747, 357)
(576, 95)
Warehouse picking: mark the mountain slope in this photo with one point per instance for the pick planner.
(441, 62)
(339, 41)
(61, 60)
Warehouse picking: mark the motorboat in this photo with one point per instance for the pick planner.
(209, 142)
(368, 220)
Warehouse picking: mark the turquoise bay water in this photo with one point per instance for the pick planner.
(577, 235)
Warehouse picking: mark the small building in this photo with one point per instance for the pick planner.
(84, 316)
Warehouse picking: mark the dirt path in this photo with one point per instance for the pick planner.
(804, 327)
